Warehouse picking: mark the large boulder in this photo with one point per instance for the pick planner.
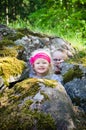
(76, 89)
(74, 81)
(26, 41)
(37, 104)
(31, 43)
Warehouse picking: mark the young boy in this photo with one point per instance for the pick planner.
(58, 58)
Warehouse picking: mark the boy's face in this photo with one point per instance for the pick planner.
(58, 58)
(41, 67)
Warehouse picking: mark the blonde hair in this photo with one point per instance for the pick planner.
(47, 51)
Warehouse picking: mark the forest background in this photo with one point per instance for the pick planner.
(61, 18)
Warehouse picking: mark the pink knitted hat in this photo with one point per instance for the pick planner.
(42, 55)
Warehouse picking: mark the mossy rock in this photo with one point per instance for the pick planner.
(5, 43)
(21, 120)
(78, 60)
(10, 66)
(8, 52)
(9, 48)
(13, 115)
(14, 36)
(82, 61)
(30, 87)
(25, 88)
(79, 57)
(27, 31)
(16, 111)
(72, 73)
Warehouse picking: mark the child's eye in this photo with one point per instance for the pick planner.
(37, 63)
(44, 62)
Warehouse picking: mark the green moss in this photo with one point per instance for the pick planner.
(28, 102)
(25, 120)
(25, 31)
(25, 88)
(15, 112)
(46, 97)
(83, 61)
(6, 42)
(31, 86)
(44, 121)
(8, 48)
(10, 67)
(19, 47)
(11, 52)
(15, 36)
(75, 72)
(49, 83)
(15, 121)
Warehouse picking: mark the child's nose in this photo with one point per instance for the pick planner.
(41, 64)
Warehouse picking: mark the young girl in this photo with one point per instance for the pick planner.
(41, 63)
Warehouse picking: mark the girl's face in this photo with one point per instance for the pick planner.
(41, 67)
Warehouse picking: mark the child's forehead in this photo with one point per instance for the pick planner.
(40, 60)
(59, 54)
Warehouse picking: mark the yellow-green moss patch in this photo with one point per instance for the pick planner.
(11, 52)
(27, 87)
(31, 86)
(50, 83)
(10, 66)
(34, 81)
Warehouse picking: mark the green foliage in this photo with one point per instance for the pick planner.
(59, 21)
(20, 23)
(69, 25)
